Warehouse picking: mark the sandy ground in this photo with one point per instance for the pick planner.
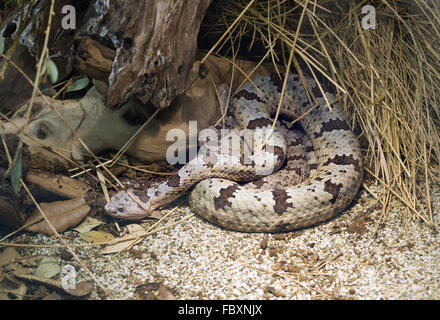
(358, 255)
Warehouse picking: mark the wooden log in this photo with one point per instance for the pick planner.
(93, 59)
(58, 184)
(155, 50)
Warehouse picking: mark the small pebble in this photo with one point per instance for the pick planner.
(66, 255)
(263, 243)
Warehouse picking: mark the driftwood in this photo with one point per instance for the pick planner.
(102, 128)
(155, 42)
(93, 59)
(156, 50)
(58, 184)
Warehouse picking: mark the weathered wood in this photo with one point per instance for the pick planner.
(156, 49)
(93, 59)
(58, 184)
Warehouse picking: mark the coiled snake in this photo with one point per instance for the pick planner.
(320, 171)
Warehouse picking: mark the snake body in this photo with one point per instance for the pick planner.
(313, 176)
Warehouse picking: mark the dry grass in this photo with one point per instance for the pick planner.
(388, 77)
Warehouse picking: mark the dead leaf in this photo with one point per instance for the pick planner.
(48, 268)
(133, 230)
(101, 179)
(96, 236)
(88, 224)
(8, 255)
(43, 293)
(11, 261)
(61, 214)
(81, 289)
(51, 208)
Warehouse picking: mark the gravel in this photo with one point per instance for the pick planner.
(358, 255)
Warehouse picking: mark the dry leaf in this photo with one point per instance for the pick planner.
(96, 236)
(101, 179)
(51, 208)
(11, 260)
(134, 230)
(48, 268)
(88, 224)
(8, 255)
(61, 214)
(40, 293)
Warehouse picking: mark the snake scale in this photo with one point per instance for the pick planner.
(316, 174)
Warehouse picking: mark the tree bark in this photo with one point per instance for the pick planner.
(156, 49)
(93, 59)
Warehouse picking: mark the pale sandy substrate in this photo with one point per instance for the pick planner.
(342, 259)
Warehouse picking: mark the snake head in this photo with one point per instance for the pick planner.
(128, 205)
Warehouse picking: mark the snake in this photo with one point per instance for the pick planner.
(314, 168)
